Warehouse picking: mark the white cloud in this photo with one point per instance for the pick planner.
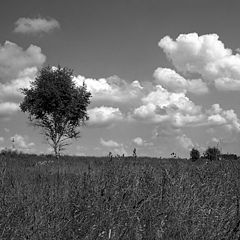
(166, 130)
(161, 105)
(35, 25)
(109, 143)
(13, 60)
(226, 118)
(185, 142)
(6, 130)
(205, 55)
(120, 150)
(176, 83)
(21, 143)
(227, 84)
(139, 141)
(104, 116)
(11, 90)
(18, 67)
(193, 53)
(116, 148)
(171, 101)
(1, 140)
(7, 109)
(110, 89)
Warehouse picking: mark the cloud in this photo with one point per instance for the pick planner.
(205, 55)
(174, 82)
(227, 84)
(104, 116)
(10, 91)
(226, 118)
(109, 143)
(116, 147)
(13, 60)
(185, 142)
(1, 140)
(6, 130)
(35, 25)
(18, 68)
(7, 109)
(120, 150)
(166, 130)
(161, 105)
(21, 143)
(138, 141)
(111, 89)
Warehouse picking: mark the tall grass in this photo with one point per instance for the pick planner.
(122, 198)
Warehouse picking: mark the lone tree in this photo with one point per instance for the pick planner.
(56, 105)
(194, 154)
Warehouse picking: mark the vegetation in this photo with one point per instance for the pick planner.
(56, 105)
(194, 154)
(212, 153)
(122, 198)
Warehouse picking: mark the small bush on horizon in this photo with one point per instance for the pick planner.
(212, 153)
(194, 154)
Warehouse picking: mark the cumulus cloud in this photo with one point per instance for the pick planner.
(227, 84)
(161, 105)
(21, 143)
(14, 59)
(7, 109)
(166, 130)
(138, 141)
(120, 150)
(116, 148)
(174, 82)
(205, 55)
(185, 142)
(18, 67)
(109, 143)
(104, 116)
(35, 25)
(10, 91)
(218, 117)
(112, 89)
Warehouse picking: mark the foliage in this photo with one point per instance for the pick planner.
(194, 154)
(95, 198)
(56, 105)
(212, 153)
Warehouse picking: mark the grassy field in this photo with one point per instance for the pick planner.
(123, 198)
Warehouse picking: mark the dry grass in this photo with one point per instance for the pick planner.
(90, 198)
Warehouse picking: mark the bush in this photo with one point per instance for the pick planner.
(194, 154)
(212, 153)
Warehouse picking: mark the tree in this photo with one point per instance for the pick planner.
(212, 153)
(194, 154)
(56, 105)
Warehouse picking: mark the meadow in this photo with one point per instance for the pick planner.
(118, 198)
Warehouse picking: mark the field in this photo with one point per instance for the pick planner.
(120, 198)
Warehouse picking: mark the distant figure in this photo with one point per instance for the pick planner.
(134, 153)
(110, 155)
(13, 145)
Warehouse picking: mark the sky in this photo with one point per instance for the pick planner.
(164, 74)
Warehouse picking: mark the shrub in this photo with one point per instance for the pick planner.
(212, 153)
(194, 154)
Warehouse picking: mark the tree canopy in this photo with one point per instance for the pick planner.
(56, 105)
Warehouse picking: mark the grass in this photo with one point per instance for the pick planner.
(123, 198)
